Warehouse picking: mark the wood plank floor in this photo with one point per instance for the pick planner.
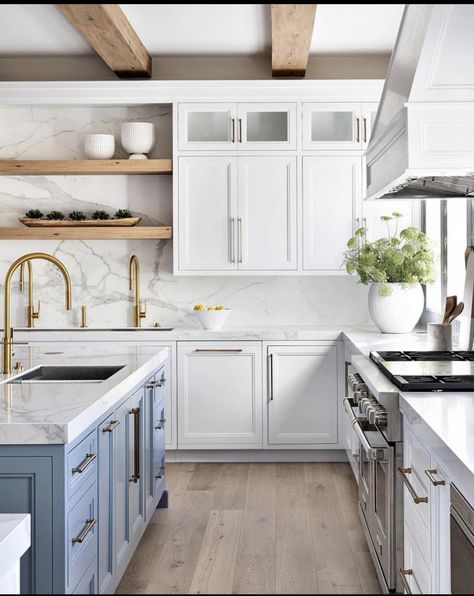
(255, 529)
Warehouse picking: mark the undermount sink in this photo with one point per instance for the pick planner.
(67, 374)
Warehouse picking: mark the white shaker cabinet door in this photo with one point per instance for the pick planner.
(331, 196)
(219, 395)
(207, 213)
(267, 214)
(267, 126)
(302, 395)
(207, 126)
(332, 126)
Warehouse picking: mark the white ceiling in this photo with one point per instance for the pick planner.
(202, 29)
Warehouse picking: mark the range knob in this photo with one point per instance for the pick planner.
(381, 418)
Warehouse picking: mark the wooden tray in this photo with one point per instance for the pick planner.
(126, 222)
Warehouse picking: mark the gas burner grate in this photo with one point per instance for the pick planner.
(432, 356)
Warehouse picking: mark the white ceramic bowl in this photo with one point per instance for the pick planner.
(138, 138)
(99, 146)
(212, 319)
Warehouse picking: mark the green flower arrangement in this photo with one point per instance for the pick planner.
(405, 258)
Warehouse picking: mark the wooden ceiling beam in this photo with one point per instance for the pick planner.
(292, 30)
(109, 32)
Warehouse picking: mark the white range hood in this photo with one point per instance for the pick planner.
(423, 140)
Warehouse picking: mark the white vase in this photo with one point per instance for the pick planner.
(398, 312)
(138, 138)
(99, 146)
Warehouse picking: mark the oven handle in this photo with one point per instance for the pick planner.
(373, 453)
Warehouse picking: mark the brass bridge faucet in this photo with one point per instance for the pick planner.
(134, 276)
(32, 313)
(7, 328)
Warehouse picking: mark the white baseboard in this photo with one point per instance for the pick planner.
(258, 456)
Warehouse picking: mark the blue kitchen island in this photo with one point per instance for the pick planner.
(85, 457)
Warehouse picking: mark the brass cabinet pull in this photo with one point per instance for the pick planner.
(135, 412)
(239, 225)
(232, 240)
(161, 424)
(364, 125)
(82, 467)
(347, 364)
(358, 130)
(112, 426)
(232, 350)
(431, 475)
(232, 126)
(403, 573)
(154, 384)
(404, 472)
(90, 523)
(270, 377)
(240, 130)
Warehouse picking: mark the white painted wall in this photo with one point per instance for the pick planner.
(99, 269)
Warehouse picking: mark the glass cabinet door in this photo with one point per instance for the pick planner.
(332, 126)
(209, 126)
(266, 126)
(369, 112)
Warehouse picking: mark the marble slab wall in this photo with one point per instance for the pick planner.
(99, 269)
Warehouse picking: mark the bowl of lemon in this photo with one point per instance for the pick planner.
(211, 317)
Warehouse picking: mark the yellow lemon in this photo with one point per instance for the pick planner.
(199, 307)
(220, 307)
(211, 308)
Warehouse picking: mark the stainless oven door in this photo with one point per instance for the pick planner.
(462, 544)
(377, 493)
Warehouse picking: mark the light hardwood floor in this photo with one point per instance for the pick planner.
(255, 529)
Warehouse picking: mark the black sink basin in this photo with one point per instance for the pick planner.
(67, 374)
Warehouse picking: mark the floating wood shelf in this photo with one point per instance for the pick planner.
(85, 167)
(84, 233)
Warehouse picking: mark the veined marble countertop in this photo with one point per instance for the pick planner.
(364, 339)
(48, 414)
(15, 539)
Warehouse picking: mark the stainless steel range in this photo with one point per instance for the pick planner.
(372, 409)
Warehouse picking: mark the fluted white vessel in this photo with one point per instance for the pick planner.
(138, 138)
(398, 312)
(99, 146)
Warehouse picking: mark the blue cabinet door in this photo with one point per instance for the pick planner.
(106, 432)
(26, 486)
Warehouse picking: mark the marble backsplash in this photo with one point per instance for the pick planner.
(99, 269)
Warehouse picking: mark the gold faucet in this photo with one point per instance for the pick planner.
(32, 313)
(7, 328)
(134, 276)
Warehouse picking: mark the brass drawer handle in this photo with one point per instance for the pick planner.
(270, 377)
(135, 412)
(403, 573)
(411, 490)
(154, 384)
(90, 523)
(112, 426)
(365, 129)
(431, 475)
(240, 130)
(232, 137)
(82, 467)
(358, 130)
(219, 350)
(161, 424)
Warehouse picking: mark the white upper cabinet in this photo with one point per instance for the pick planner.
(331, 197)
(237, 214)
(369, 112)
(207, 126)
(263, 126)
(267, 214)
(302, 395)
(234, 127)
(332, 126)
(207, 213)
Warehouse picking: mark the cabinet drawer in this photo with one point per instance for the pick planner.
(418, 576)
(81, 466)
(159, 475)
(416, 460)
(419, 531)
(88, 583)
(81, 532)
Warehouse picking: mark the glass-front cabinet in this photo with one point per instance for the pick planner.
(233, 127)
(338, 125)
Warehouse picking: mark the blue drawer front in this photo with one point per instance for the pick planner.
(81, 532)
(81, 464)
(88, 583)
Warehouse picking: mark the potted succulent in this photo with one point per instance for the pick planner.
(34, 214)
(395, 266)
(55, 215)
(100, 215)
(77, 216)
